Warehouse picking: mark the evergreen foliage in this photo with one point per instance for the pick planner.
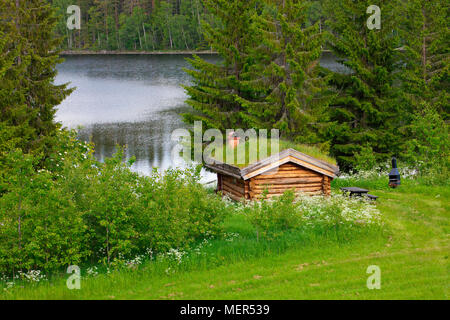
(365, 111)
(28, 95)
(284, 85)
(60, 206)
(140, 25)
(136, 25)
(426, 39)
(272, 78)
(428, 145)
(218, 87)
(269, 76)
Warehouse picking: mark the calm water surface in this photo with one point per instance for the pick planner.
(132, 100)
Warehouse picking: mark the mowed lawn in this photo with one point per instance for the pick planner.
(412, 254)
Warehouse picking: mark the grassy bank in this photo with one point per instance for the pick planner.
(411, 250)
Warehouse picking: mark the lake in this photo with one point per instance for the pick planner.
(132, 100)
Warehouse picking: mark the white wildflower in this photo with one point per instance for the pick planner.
(92, 271)
(176, 255)
(31, 276)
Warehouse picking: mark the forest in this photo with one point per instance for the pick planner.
(393, 101)
(61, 206)
(139, 25)
(399, 72)
(134, 25)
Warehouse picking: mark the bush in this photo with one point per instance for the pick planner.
(175, 210)
(375, 178)
(290, 212)
(429, 147)
(425, 158)
(40, 226)
(337, 210)
(365, 159)
(78, 210)
(272, 218)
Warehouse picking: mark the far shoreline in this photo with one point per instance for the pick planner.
(105, 52)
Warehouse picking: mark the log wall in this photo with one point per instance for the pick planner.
(236, 189)
(286, 177)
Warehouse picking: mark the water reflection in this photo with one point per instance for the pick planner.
(149, 141)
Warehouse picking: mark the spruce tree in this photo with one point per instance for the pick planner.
(11, 108)
(425, 35)
(284, 79)
(216, 86)
(365, 113)
(28, 59)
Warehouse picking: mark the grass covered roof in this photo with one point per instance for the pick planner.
(252, 152)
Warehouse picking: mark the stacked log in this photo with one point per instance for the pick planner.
(288, 176)
(326, 185)
(233, 187)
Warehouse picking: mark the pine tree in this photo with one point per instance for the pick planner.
(284, 84)
(365, 112)
(426, 36)
(8, 135)
(28, 95)
(217, 86)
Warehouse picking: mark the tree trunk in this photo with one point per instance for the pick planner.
(184, 36)
(19, 59)
(424, 47)
(170, 34)
(116, 18)
(145, 36)
(140, 40)
(106, 23)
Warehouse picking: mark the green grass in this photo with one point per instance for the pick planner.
(283, 145)
(412, 251)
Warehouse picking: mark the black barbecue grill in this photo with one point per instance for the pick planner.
(394, 175)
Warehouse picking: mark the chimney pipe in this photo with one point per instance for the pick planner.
(394, 163)
(233, 140)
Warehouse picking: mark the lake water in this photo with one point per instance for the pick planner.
(132, 100)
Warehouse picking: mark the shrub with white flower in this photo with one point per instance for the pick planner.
(291, 211)
(31, 276)
(149, 252)
(169, 271)
(205, 243)
(381, 171)
(134, 263)
(337, 209)
(175, 255)
(6, 283)
(92, 271)
(231, 236)
(9, 285)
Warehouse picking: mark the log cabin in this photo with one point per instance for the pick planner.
(288, 170)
